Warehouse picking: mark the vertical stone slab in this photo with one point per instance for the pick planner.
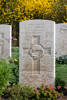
(5, 40)
(37, 52)
(61, 39)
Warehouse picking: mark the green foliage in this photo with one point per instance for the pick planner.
(27, 92)
(5, 74)
(14, 63)
(62, 59)
(59, 12)
(60, 82)
(46, 93)
(13, 93)
(9, 70)
(11, 10)
(15, 53)
(20, 92)
(14, 71)
(61, 72)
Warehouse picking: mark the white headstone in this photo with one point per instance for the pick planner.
(61, 39)
(37, 58)
(5, 41)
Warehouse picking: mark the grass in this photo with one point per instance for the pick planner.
(15, 52)
(61, 70)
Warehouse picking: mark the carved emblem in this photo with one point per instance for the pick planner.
(36, 51)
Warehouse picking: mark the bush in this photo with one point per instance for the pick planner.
(27, 92)
(5, 74)
(14, 63)
(13, 92)
(9, 70)
(60, 82)
(62, 59)
(46, 93)
(15, 52)
(59, 11)
(18, 92)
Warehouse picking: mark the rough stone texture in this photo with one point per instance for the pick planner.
(5, 41)
(61, 39)
(37, 58)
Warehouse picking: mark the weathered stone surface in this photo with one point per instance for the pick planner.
(61, 39)
(5, 41)
(37, 60)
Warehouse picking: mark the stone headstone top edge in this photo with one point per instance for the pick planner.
(34, 20)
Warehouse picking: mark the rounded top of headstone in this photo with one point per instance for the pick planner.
(4, 25)
(38, 20)
(62, 25)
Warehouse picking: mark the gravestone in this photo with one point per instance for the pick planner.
(37, 53)
(5, 41)
(61, 39)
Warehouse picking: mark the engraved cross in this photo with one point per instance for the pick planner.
(36, 51)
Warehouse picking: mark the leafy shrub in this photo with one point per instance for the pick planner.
(62, 59)
(5, 74)
(27, 92)
(9, 71)
(18, 92)
(13, 92)
(60, 82)
(14, 63)
(46, 93)
(15, 52)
